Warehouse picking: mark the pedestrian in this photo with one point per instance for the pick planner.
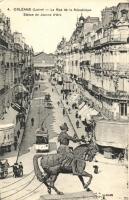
(6, 164)
(23, 117)
(69, 110)
(52, 89)
(15, 143)
(58, 103)
(63, 111)
(76, 115)
(39, 86)
(21, 124)
(65, 126)
(77, 123)
(18, 133)
(24, 125)
(17, 118)
(21, 168)
(120, 157)
(32, 121)
(15, 168)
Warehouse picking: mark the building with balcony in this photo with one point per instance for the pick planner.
(16, 80)
(98, 55)
(16, 62)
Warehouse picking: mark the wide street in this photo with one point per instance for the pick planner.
(28, 187)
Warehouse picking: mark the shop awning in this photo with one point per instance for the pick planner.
(112, 134)
(93, 112)
(73, 98)
(81, 105)
(86, 114)
(83, 110)
(17, 107)
(9, 117)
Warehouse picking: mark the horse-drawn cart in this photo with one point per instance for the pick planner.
(3, 169)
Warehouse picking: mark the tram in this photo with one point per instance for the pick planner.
(42, 140)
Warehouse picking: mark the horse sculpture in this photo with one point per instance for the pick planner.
(52, 166)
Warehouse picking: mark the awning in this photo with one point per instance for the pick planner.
(17, 107)
(86, 114)
(112, 134)
(93, 112)
(81, 105)
(9, 117)
(83, 110)
(74, 98)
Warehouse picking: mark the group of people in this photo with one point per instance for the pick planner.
(18, 169)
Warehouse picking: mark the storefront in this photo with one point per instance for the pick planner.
(111, 137)
(6, 137)
(7, 126)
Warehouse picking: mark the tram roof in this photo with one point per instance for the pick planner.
(39, 132)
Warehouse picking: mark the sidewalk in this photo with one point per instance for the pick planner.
(13, 155)
(81, 131)
(78, 131)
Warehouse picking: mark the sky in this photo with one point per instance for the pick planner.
(44, 32)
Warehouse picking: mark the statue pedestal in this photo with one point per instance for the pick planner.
(71, 196)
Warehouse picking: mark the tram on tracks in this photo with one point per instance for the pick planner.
(42, 140)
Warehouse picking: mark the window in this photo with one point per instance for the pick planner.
(123, 109)
(41, 140)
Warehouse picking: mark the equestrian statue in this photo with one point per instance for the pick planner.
(66, 161)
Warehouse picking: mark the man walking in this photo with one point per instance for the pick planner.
(15, 143)
(18, 133)
(63, 111)
(32, 121)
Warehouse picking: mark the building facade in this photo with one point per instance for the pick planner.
(98, 52)
(16, 62)
(44, 61)
(97, 57)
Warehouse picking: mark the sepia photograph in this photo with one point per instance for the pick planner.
(64, 99)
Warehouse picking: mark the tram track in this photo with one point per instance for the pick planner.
(21, 188)
(20, 191)
(17, 181)
(15, 193)
(29, 193)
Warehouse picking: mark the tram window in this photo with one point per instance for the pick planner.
(41, 140)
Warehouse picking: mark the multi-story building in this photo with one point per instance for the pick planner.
(16, 70)
(15, 61)
(98, 54)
